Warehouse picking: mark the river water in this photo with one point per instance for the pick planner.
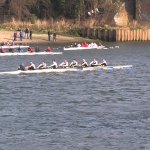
(100, 110)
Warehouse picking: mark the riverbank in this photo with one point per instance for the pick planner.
(41, 39)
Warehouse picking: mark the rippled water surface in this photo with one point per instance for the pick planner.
(100, 110)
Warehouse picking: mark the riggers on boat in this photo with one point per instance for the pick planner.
(60, 70)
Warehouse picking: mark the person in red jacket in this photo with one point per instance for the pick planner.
(49, 49)
(3, 50)
(30, 50)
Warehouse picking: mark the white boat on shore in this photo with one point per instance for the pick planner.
(84, 48)
(29, 53)
(19, 72)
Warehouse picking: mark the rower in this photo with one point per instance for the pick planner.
(20, 50)
(54, 65)
(94, 63)
(104, 63)
(31, 66)
(64, 64)
(30, 50)
(2, 50)
(21, 67)
(42, 66)
(73, 64)
(84, 63)
(49, 49)
(11, 50)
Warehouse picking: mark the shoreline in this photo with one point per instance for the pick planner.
(42, 39)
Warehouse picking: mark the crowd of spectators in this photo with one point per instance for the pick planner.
(22, 34)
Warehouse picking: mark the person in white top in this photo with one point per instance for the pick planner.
(104, 63)
(54, 65)
(31, 66)
(42, 66)
(79, 45)
(73, 64)
(94, 63)
(64, 64)
(84, 63)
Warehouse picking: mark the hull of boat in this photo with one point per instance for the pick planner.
(66, 70)
(28, 53)
(13, 47)
(84, 48)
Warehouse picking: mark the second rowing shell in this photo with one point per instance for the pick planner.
(84, 48)
(28, 53)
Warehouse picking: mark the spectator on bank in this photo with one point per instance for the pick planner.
(15, 36)
(54, 36)
(49, 35)
(27, 33)
(30, 34)
(21, 35)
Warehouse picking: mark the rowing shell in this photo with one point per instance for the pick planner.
(28, 53)
(66, 70)
(13, 46)
(84, 48)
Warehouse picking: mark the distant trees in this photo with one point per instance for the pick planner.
(45, 9)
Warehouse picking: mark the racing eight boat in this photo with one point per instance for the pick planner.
(29, 53)
(60, 70)
(13, 46)
(85, 48)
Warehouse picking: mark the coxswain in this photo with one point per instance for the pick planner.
(21, 67)
(54, 65)
(73, 64)
(42, 65)
(104, 63)
(94, 63)
(84, 63)
(31, 66)
(64, 64)
(49, 49)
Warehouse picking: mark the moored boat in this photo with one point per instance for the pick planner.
(61, 70)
